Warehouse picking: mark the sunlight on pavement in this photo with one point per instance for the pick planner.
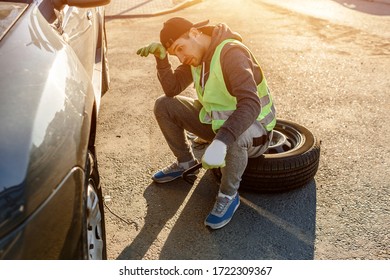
(158, 245)
(370, 16)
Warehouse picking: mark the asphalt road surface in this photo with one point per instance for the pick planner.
(327, 65)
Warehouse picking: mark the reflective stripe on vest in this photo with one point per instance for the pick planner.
(218, 103)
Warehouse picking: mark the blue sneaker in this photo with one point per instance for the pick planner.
(172, 172)
(223, 210)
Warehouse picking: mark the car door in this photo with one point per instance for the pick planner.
(80, 32)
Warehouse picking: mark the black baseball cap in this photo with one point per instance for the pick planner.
(176, 27)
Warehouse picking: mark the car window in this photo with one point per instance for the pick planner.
(9, 13)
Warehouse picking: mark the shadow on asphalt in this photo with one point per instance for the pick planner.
(380, 8)
(265, 226)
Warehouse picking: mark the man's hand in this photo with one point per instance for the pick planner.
(153, 48)
(214, 155)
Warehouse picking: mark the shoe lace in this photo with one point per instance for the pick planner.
(221, 204)
(172, 168)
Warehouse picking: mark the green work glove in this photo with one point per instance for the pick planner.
(215, 154)
(155, 48)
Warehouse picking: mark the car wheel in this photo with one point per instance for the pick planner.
(95, 225)
(290, 162)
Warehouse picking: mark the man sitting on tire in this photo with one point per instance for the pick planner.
(234, 110)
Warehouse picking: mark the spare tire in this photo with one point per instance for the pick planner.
(290, 162)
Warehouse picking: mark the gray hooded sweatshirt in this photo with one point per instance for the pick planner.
(241, 75)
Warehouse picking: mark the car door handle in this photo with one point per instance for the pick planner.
(89, 15)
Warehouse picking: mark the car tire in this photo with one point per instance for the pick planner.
(95, 231)
(290, 162)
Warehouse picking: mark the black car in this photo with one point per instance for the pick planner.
(53, 74)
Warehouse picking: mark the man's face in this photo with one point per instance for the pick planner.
(188, 48)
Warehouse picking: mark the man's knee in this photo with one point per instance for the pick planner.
(161, 104)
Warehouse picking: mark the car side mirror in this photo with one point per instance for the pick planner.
(87, 3)
(80, 3)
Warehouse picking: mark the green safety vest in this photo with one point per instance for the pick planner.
(218, 103)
